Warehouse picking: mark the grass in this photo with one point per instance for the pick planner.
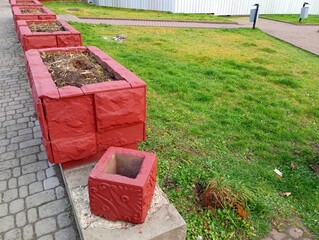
(293, 18)
(86, 10)
(230, 104)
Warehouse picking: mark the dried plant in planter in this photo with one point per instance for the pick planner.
(46, 27)
(32, 11)
(75, 69)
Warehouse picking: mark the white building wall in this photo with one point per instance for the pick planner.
(218, 7)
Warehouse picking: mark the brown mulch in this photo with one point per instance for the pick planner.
(46, 27)
(75, 69)
(32, 10)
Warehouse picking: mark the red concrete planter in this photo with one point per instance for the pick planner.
(35, 40)
(18, 15)
(77, 122)
(121, 185)
(23, 3)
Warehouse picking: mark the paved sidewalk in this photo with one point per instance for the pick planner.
(305, 37)
(301, 36)
(33, 203)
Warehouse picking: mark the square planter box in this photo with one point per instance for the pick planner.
(69, 37)
(79, 122)
(121, 185)
(46, 14)
(24, 3)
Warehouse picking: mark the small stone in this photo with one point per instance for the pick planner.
(46, 237)
(16, 206)
(16, 172)
(27, 179)
(277, 235)
(3, 209)
(21, 219)
(50, 172)
(23, 191)
(32, 215)
(34, 167)
(14, 234)
(35, 187)
(6, 223)
(64, 220)
(66, 234)
(3, 186)
(53, 208)
(41, 175)
(45, 226)
(12, 183)
(295, 232)
(40, 198)
(28, 159)
(10, 195)
(28, 232)
(51, 183)
(60, 192)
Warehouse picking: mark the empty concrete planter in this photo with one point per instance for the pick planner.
(121, 185)
(23, 3)
(79, 122)
(66, 37)
(40, 13)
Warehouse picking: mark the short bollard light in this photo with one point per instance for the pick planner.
(304, 11)
(122, 183)
(254, 15)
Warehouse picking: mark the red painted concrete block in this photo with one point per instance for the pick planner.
(70, 117)
(70, 37)
(23, 3)
(73, 148)
(119, 108)
(80, 123)
(69, 40)
(122, 183)
(121, 136)
(18, 15)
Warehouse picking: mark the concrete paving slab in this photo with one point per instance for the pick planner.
(162, 222)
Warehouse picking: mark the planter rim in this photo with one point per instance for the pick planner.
(17, 10)
(45, 86)
(142, 176)
(16, 3)
(65, 25)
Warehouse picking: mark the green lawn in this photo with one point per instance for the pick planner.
(87, 10)
(226, 103)
(294, 18)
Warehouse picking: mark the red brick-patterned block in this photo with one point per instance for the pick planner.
(23, 3)
(73, 148)
(122, 183)
(120, 108)
(70, 117)
(79, 123)
(69, 37)
(120, 136)
(47, 14)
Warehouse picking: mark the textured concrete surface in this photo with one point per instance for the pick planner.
(33, 203)
(305, 37)
(162, 222)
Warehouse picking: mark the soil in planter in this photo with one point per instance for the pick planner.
(46, 27)
(75, 69)
(25, 3)
(32, 10)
